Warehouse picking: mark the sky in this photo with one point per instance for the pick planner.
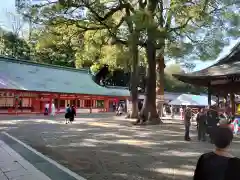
(9, 6)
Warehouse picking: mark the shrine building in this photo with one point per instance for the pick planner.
(222, 78)
(25, 87)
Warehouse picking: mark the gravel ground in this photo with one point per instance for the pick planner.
(104, 147)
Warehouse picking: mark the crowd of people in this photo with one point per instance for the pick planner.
(207, 119)
(218, 164)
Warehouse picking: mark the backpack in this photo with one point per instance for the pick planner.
(68, 110)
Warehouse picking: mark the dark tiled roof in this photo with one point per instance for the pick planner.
(25, 75)
(229, 65)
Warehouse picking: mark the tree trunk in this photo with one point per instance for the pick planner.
(134, 75)
(160, 83)
(149, 111)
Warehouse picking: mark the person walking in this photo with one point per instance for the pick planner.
(72, 114)
(172, 111)
(212, 121)
(67, 113)
(46, 109)
(181, 113)
(202, 125)
(187, 123)
(53, 113)
(218, 164)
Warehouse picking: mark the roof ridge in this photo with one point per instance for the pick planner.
(227, 58)
(30, 62)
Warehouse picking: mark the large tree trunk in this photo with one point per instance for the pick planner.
(134, 75)
(149, 111)
(160, 83)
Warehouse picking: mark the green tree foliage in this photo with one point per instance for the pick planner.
(173, 85)
(56, 44)
(187, 30)
(179, 27)
(97, 50)
(13, 46)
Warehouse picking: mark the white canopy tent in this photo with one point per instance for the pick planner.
(191, 100)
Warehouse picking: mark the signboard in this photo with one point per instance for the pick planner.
(17, 94)
(45, 99)
(6, 94)
(67, 96)
(26, 94)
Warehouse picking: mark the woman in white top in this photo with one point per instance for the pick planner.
(53, 110)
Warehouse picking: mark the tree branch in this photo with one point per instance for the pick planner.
(182, 26)
(169, 17)
(161, 13)
(107, 15)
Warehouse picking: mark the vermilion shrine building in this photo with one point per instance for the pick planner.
(25, 87)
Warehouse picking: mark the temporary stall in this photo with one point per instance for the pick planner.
(191, 100)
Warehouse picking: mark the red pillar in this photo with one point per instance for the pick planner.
(58, 110)
(117, 101)
(50, 105)
(106, 105)
(91, 104)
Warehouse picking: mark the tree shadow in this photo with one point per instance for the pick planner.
(111, 148)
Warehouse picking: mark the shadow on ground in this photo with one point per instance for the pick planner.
(110, 148)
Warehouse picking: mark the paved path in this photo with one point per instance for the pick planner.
(14, 167)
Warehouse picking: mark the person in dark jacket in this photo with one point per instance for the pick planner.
(72, 114)
(202, 125)
(187, 123)
(218, 164)
(212, 121)
(67, 113)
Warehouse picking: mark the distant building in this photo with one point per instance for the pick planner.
(25, 87)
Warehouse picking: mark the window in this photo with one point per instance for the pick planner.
(99, 103)
(7, 102)
(88, 103)
(26, 102)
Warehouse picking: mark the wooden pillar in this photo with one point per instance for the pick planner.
(16, 104)
(50, 105)
(117, 101)
(21, 104)
(94, 103)
(58, 103)
(106, 104)
(232, 103)
(91, 105)
(225, 100)
(209, 95)
(81, 103)
(76, 101)
(218, 101)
